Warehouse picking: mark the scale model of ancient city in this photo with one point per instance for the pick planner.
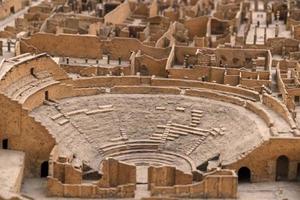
(149, 99)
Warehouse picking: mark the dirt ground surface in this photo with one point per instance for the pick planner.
(246, 191)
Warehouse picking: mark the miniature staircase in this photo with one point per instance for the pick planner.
(196, 116)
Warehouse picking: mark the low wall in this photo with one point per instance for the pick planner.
(115, 47)
(279, 108)
(56, 188)
(215, 96)
(55, 92)
(99, 71)
(219, 184)
(108, 81)
(144, 90)
(213, 86)
(167, 176)
(118, 181)
(64, 45)
(260, 112)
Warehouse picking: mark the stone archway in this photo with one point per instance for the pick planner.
(244, 175)
(282, 168)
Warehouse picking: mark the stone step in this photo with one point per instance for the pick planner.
(197, 111)
(91, 112)
(189, 128)
(75, 112)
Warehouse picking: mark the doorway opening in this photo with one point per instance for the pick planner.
(282, 168)
(5, 144)
(44, 169)
(244, 175)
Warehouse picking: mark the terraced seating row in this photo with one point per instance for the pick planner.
(196, 116)
(18, 87)
(133, 144)
(33, 90)
(173, 131)
(152, 155)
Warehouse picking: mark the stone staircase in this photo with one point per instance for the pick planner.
(196, 116)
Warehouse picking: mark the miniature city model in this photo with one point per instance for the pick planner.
(149, 99)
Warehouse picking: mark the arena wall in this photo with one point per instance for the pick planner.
(265, 156)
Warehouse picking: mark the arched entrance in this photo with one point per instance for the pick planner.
(282, 168)
(44, 169)
(5, 144)
(244, 175)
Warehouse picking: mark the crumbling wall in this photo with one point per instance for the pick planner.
(167, 176)
(197, 26)
(24, 134)
(213, 86)
(217, 184)
(40, 64)
(262, 160)
(118, 181)
(116, 173)
(63, 45)
(119, 14)
(96, 70)
(147, 65)
(282, 45)
(115, 48)
(6, 5)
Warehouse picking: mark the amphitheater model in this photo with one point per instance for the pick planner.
(137, 136)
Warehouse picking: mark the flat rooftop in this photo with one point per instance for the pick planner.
(11, 169)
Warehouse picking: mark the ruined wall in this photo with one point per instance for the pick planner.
(262, 160)
(153, 10)
(167, 176)
(148, 66)
(118, 15)
(297, 32)
(236, 58)
(66, 173)
(118, 181)
(276, 45)
(99, 71)
(197, 26)
(198, 84)
(5, 7)
(279, 108)
(218, 184)
(56, 188)
(144, 90)
(116, 173)
(24, 134)
(64, 45)
(191, 74)
(41, 64)
(115, 48)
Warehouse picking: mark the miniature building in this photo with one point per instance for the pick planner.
(149, 99)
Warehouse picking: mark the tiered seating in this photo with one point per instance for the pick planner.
(21, 89)
(60, 119)
(195, 145)
(172, 131)
(101, 109)
(196, 116)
